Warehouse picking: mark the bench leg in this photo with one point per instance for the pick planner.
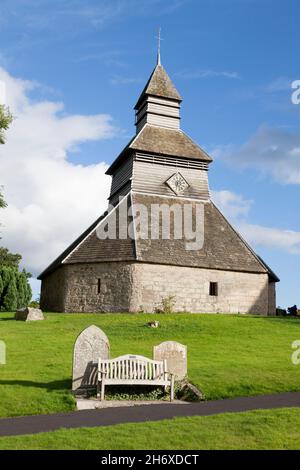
(98, 390)
(102, 389)
(172, 388)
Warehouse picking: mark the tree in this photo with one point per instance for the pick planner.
(6, 119)
(15, 290)
(10, 297)
(9, 259)
(2, 202)
(24, 290)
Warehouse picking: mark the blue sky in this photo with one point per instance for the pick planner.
(233, 62)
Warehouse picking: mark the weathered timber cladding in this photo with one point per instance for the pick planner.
(115, 198)
(158, 120)
(122, 177)
(151, 178)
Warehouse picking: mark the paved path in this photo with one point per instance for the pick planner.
(139, 414)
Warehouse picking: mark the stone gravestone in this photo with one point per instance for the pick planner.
(90, 345)
(29, 314)
(2, 352)
(176, 356)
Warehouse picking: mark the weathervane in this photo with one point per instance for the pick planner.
(159, 38)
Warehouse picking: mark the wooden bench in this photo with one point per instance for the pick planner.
(133, 370)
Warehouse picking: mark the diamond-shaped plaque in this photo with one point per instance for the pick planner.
(177, 183)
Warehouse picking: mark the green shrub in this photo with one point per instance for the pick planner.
(167, 304)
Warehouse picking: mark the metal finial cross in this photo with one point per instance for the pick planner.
(159, 38)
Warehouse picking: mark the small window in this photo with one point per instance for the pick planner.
(213, 289)
(99, 286)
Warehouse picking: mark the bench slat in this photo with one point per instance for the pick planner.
(133, 370)
(136, 382)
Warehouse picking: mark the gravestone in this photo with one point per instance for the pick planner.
(176, 356)
(2, 352)
(90, 345)
(29, 314)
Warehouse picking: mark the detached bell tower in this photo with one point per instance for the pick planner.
(161, 167)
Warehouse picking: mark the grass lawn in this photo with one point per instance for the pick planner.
(227, 355)
(278, 429)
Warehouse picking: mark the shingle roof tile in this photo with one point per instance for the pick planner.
(162, 141)
(159, 84)
(223, 249)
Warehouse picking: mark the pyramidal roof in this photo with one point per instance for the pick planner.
(159, 84)
(223, 247)
(161, 141)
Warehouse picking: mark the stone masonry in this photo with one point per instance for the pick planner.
(141, 286)
(238, 292)
(76, 288)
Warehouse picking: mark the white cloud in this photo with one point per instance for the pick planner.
(50, 200)
(118, 80)
(236, 209)
(274, 151)
(206, 73)
(278, 85)
(286, 240)
(231, 204)
(35, 15)
(109, 58)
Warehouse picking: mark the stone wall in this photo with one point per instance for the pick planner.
(53, 290)
(115, 292)
(272, 298)
(140, 286)
(74, 288)
(237, 292)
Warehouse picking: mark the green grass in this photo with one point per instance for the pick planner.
(227, 355)
(276, 429)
